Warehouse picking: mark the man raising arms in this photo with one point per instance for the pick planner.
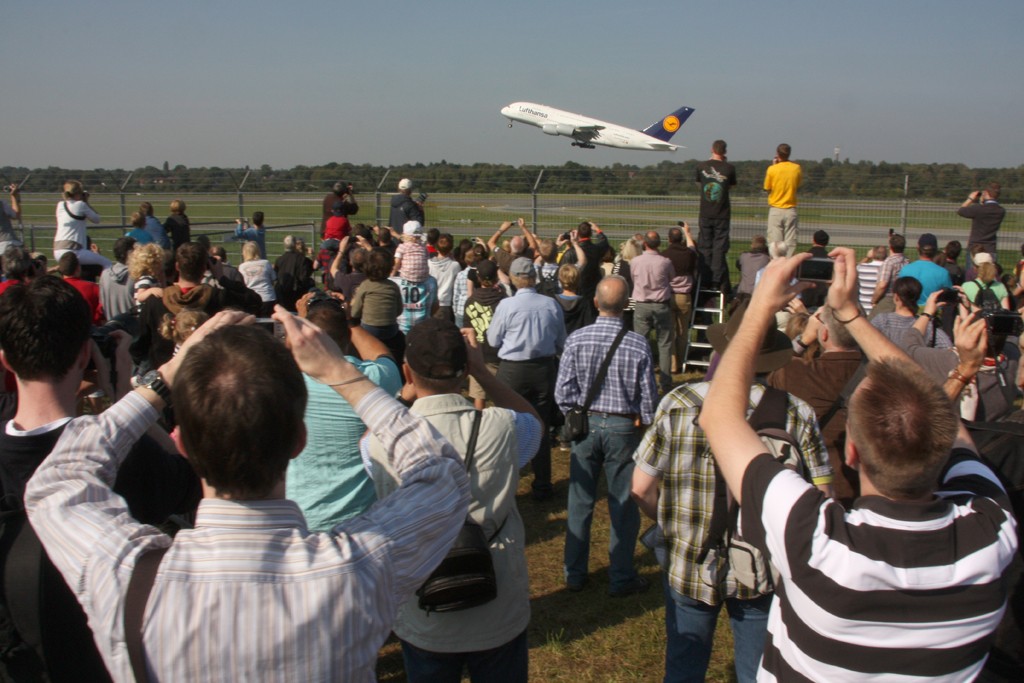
(908, 581)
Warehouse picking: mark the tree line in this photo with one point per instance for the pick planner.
(825, 178)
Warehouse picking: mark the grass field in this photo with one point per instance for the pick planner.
(858, 223)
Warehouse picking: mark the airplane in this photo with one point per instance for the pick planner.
(588, 132)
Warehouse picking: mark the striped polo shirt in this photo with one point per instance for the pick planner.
(892, 590)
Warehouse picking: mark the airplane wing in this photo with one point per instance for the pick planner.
(586, 133)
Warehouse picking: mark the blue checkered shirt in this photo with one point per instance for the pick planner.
(629, 387)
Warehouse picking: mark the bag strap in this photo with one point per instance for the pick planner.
(76, 217)
(603, 371)
(471, 444)
(22, 578)
(139, 587)
(844, 396)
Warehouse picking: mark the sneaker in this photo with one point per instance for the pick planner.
(637, 585)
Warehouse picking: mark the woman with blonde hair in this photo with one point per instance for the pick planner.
(259, 276)
(986, 281)
(72, 213)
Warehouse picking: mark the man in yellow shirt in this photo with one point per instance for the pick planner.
(781, 181)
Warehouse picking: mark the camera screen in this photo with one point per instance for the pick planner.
(818, 269)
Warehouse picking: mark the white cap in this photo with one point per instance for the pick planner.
(404, 184)
(412, 228)
(982, 257)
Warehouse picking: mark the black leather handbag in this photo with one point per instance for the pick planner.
(465, 577)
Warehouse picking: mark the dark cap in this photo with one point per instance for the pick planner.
(821, 237)
(435, 349)
(927, 240)
(775, 352)
(338, 208)
(487, 269)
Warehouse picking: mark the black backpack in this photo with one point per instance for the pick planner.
(986, 299)
(548, 285)
(21, 554)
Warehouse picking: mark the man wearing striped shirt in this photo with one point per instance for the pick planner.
(906, 583)
(250, 593)
(621, 405)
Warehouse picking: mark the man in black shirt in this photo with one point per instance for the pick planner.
(982, 207)
(715, 176)
(45, 335)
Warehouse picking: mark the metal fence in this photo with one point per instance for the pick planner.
(853, 222)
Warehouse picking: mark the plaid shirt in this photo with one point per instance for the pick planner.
(629, 387)
(675, 450)
(890, 270)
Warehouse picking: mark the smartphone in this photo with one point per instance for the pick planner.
(816, 270)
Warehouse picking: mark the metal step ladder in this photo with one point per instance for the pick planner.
(708, 309)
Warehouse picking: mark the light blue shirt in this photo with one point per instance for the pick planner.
(327, 480)
(527, 326)
(931, 276)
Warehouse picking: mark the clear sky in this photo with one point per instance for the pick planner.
(121, 84)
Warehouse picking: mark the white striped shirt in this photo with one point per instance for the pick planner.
(249, 594)
(898, 591)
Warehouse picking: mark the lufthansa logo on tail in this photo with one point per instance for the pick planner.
(670, 123)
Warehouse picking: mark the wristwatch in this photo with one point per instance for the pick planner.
(155, 383)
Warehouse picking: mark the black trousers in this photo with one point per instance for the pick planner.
(713, 244)
(534, 380)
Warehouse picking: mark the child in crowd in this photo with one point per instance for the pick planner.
(146, 269)
(411, 255)
(259, 276)
(336, 228)
(180, 327)
(253, 233)
(378, 303)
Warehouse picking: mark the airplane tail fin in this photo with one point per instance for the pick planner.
(665, 127)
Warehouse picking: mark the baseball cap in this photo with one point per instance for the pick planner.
(337, 208)
(487, 269)
(775, 352)
(412, 228)
(982, 257)
(405, 184)
(927, 240)
(522, 267)
(435, 349)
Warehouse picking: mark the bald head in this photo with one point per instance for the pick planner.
(517, 245)
(612, 296)
(652, 240)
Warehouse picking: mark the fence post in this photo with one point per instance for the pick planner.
(238, 189)
(903, 208)
(376, 196)
(533, 193)
(120, 192)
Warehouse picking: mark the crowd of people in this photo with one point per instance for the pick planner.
(273, 474)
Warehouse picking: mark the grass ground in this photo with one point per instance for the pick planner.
(585, 637)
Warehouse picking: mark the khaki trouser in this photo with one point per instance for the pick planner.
(681, 307)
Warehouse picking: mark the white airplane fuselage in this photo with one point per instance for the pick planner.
(558, 122)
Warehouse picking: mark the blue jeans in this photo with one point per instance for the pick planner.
(609, 446)
(690, 629)
(508, 663)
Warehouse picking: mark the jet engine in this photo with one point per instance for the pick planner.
(558, 129)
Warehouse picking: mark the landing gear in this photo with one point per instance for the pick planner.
(509, 124)
(583, 145)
